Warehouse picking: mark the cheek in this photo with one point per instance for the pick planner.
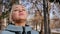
(26, 14)
(15, 14)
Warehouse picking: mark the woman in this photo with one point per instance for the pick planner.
(18, 15)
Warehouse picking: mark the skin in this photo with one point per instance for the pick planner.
(19, 15)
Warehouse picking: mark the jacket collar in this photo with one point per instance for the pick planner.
(18, 28)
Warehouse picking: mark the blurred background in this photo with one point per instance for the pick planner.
(44, 15)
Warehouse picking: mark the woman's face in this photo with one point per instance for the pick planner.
(19, 12)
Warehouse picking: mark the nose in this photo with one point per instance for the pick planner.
(20, 10)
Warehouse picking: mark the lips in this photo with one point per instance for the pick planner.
(21, 14)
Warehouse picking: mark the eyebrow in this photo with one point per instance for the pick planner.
(20, 6)
(16, 7)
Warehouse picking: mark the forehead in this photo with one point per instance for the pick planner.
(18, 6)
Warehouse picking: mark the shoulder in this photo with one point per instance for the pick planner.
(34, 32)
(7, 32)
(29, 28)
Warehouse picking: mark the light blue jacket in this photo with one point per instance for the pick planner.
(11, 29)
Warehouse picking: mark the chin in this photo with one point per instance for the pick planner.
(22, 18)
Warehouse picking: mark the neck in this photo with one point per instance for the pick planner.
(20, 23)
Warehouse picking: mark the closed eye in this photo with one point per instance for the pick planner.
(23, 9)
(15, 10)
